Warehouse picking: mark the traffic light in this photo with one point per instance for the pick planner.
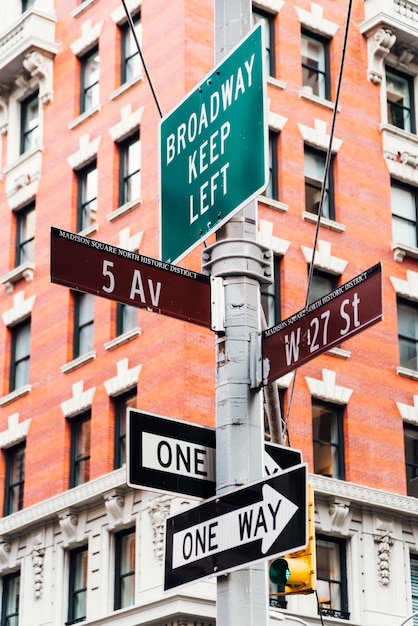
(296, 573)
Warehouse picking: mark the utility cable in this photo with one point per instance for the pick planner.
(323, 188)
(132, 27)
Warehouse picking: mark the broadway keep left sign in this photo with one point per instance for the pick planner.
(105, 270)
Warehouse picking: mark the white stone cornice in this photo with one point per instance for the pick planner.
(80, 401)
(128, 241)
(409, 413)
(86, 153)
(89, 37)
(266, 237)
(407, 288)
(314, 20)
(15, 432)
(318, 137)
(324, 259)
(21, 309)
(124, 380)
(130, 121)
(327, 389)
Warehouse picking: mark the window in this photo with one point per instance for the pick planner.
(272, 189)
(15, 478)
(270, 296)
(411, 458)
(404, 214)
(315, 66)
(126, 318)
(130, 175)
(27, 4)
(267, 20)
(83, 323)
(90, 74)
(322, 284)
(29, 123)
(328, 439)
(10, 600)
(25, 235)
(124, 568)
(77, 587)
(121, 404)
(331, 577)
(87, 187)
(400, 102)
(414, 586)
(20, 355)
(314, 176)
(130, 59)
(408, 334)
(80, 449)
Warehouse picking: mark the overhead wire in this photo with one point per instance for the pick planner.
(132, 28)
(322, 196)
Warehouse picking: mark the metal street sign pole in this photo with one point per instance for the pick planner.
(242, 596)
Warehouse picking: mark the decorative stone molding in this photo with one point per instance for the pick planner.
(265, 236)
(269, 5)
(37, 554)
(39, 67)
(4, 109)
(25, 271)
(114, 503)
(15, 432)
(407, 288)
(80, 401)
(338, 511)
(327, 389)
(128, 241)
(314, 20)
(275, 121)
(86, 153)
(324, 260)
(21, 309)
(385, 541)
(124, 380)
(68, 522)
(5, 550)
(379, 46)
(89, 37)
(318, 137)
(409, 413)
(130, 122)
(158, 511)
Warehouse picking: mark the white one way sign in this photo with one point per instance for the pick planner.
(252, 523)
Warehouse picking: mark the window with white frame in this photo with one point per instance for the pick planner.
(414, 585)
(29, 122)
(408, 333)
(130, 59)
(77, 585)
(410, 432)
(400, 100)
(83, 323)
(331, 569)
(10, 599)
(124, 568)
(15, 478)
(328, 438)
(404, 203)
(130, 172)
(314, 176)
(315, 65)
(87, 190)
(267, 20)
(20, 355)
(80, 427)
(25, 234)
(89, 80)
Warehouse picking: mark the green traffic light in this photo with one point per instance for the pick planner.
(279, 572)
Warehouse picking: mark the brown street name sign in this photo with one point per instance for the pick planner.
(128, 277)
(339, 315)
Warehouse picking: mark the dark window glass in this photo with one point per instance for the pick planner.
(89, 80)
(121, 404)
(130, 172)
(408, 334)
(15, 479)
(10, 600)
(25, 235)
(80, 449)
(314, 177)
(404, 201)
(27, 4)
(124, 568)
(270, 296)
(29, 123)
(322, 284)
(332, 577)
(411, 458)
(131, 62)
(87, 188)
(400, 101)
(267, 20)
(126, 318)
(20, 355)
(83, 323)
(315, 66)
(272, 189)
(77, 586)
(328, 439)
(414, 586)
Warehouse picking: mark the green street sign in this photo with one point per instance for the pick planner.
(213, 150)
